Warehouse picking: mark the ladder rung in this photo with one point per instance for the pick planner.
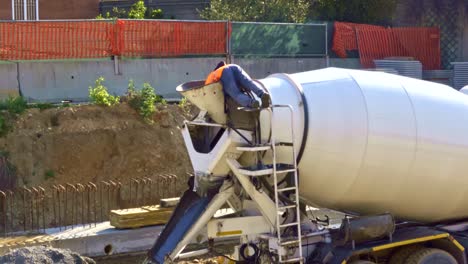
(288, 243)
(288, 170)
(254, 148)
(290, 224)
(287, 189)
(284, 144)
(287, 207)
(294, 260)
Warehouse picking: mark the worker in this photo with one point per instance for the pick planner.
(231, 76)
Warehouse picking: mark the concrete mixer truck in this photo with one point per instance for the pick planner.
(389, 152)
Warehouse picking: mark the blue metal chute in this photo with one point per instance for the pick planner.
(189, 209)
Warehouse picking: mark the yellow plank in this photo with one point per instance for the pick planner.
(140, 217)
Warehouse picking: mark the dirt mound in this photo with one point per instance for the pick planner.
(92, 143)
(33, 255)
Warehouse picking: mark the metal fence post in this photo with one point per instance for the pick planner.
(25, 10)
(12, 9)
(37, 9)
(228, 46)
(326, 45)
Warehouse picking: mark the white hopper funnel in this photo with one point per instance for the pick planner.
(209, 98)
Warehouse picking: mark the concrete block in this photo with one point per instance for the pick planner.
(8, 80)
(70, 80)
(351, 63)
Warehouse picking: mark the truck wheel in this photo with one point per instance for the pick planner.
(402, 254)
(431, 256)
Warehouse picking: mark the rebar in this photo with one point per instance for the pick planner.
(81, 190)
(150, 189)
(42, 192)
(61, 190)
(108, 198)
(92, 188)
(26, 190)
(4, 206)
(73, 204)
(35, 198)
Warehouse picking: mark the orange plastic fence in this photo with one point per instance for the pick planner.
(375, 42)
(98, 39)
(167, 38)
(344, 37)
(55, 40)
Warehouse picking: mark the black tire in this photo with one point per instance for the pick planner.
(402, 254)
(431, 256)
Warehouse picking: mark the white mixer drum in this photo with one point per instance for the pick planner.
(377, 142)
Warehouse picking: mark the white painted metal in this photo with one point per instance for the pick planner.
(25, 10)
(12, 9)
(237, 226)
(37, 9)
(216, 203)
(297, 222)
(378, 142)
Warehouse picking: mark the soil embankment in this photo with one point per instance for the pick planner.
(90, 143)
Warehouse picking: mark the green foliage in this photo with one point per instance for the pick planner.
(138, 10)
(42, 106)
(99, 95)
(183, 104)
(14, 104)
(49, 174)
(154, 14)
(358, 11)
(262, 11)
(4, 126)
(143, 100)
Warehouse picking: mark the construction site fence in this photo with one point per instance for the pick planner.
(67, 205)
(376, 42)
(83, 39)
(77, 39)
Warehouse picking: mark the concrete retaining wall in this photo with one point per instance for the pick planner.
(53, 81)
(8, 80)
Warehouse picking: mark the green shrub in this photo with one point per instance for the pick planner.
(42, 106)
(154, 14)
(184, 105)
(138, 10)
(14, 105)
(49, 174)
(100, 96)
(144, 100)
(4, 127)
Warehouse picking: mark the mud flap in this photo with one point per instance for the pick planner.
(189, 209)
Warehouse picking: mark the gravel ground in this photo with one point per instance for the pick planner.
(45, 255)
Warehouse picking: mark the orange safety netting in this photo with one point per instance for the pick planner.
(55, 40)
(99, 39)
(374, 42)
(168, 38)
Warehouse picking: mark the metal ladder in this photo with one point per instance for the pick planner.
(276, 168)
(284, 241)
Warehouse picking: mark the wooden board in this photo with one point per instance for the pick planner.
(140, 217)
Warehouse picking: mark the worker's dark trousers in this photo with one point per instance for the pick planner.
(232, 77)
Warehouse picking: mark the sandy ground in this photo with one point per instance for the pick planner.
(91, 143)
(45, 255)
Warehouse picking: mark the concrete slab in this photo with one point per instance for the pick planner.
(8, 80)
(54, 81)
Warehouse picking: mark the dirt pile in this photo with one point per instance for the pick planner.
(92, 143)
(46, 255)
